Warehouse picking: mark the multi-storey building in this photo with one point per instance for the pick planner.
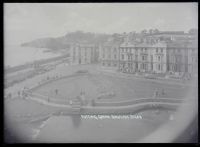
(84, 53)
(143, 57)
(182, 57)
(158, 53)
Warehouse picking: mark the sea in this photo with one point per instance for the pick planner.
(15, 55)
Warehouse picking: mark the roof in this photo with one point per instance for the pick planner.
(144, 44)
(112, 43)
(168, 33)
(182, 44)
(84, 44)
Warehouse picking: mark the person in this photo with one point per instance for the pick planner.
(82, 97)
(156, 93)
(163, 92)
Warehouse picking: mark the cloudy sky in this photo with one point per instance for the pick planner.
(24, 22)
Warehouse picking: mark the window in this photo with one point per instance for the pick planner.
(103, 55)
(129, 57)
(151, 58)
(122, 57)
(156, 50)
(158, 66)
(141, 66)
(142, 57)
(158, 58)
(161, 50)
(115, 56)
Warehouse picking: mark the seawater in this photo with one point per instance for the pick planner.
(16, 55)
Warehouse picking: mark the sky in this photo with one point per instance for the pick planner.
(28, 21)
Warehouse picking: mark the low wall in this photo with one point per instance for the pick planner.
(133, 109)
(137, 101)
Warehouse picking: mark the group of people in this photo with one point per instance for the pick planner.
(22, 93)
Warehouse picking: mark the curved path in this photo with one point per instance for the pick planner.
(122, 107)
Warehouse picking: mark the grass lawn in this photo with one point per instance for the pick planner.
(95, 85)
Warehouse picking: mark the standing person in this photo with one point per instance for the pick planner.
(163, 92)
(82, 97)
(156, 93)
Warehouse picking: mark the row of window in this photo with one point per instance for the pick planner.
(109, 64)
(142, 49)
(144, 57)
(109, 56)
(144, 66)
(109, 50)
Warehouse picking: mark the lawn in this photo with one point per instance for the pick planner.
(108, 88)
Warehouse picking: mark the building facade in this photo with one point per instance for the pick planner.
(109, 55)
(160, 53)
(84, 53)
(143, 57)
(182, 57)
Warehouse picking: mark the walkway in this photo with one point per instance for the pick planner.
(134, 105)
